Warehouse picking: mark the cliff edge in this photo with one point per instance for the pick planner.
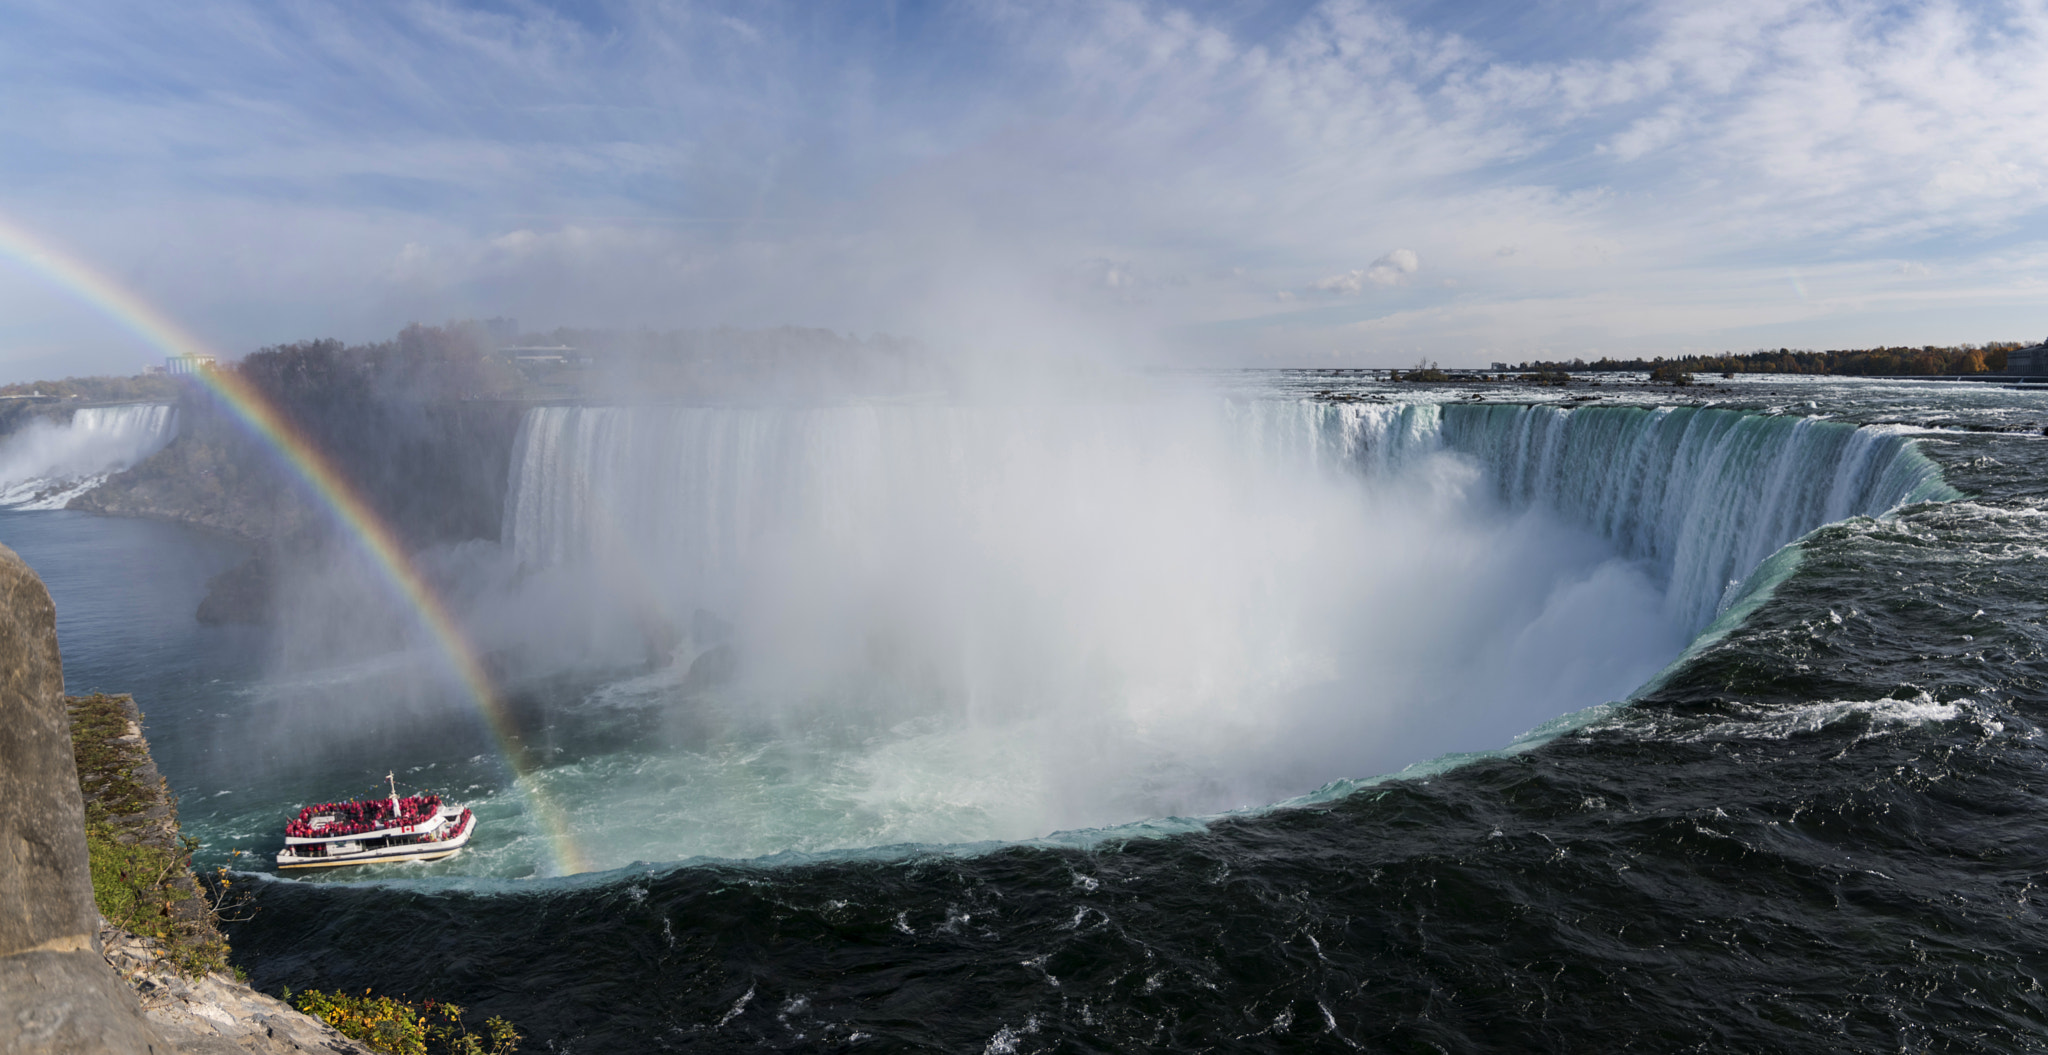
(57, 992)
(69, 981)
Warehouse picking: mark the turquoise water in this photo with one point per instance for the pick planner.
(1208, 634)
(1820, 829)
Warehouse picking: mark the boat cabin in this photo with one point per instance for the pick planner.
(374, 831)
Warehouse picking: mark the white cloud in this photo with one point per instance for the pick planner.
(668, 165)
(1392, 267)
(1388, 270)
(1646, 134)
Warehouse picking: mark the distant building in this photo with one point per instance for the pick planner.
(187, 365)
(546, 355)
(554, 364)
(2028, 361)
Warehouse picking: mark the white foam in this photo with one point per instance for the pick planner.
(1761, 722)
(46, 464)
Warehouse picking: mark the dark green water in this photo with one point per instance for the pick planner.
(1822, 831)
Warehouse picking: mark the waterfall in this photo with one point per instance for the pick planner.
(1707, 494)
(1704, 494)
(966, 622)
(48, 462)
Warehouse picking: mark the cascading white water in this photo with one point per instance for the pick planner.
(1704, 494)
(1707, 494)
(48, 463)
(970, 622)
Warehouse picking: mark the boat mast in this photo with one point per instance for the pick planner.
(394, 793)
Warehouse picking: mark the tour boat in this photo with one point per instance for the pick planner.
(375, 831)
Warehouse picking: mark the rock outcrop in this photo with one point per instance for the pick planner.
(142, 869)
(57, 994)
(433, 472)
(244, 593)
(215, 1015)
(70, 982)
(209, 477)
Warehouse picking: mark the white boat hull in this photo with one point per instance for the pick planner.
(296, 857)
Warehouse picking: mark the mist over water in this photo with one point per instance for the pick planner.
(1853, 731)
(47, 462)
(991, 622)
(741, 631)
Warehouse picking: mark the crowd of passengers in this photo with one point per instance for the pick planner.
(354, 818)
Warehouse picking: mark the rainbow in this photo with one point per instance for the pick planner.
(343, 500)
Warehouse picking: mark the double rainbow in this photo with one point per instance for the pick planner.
(342, 498)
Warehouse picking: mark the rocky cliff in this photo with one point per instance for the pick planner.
(211, 477)
(70, 982)
(436, 473)
(57, 993)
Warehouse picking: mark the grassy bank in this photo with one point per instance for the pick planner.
(141, 863)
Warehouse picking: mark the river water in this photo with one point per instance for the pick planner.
(1786, 799)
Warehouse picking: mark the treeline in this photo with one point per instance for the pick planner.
(412, 420)
(99, 389)
(421, 364)
(1862, 362)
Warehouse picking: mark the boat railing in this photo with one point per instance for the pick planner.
(356, 818)
(296, 847)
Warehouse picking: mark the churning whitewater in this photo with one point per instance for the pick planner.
(880, 625)
(893, 648)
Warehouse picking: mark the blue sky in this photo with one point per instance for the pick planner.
(1316, 183)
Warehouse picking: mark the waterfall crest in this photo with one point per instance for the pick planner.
(941, 624)
(48, 463)
(1704, 494)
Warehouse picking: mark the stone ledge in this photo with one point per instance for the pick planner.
(64, 1002)
(212, 1013)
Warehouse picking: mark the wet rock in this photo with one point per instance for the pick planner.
(242, 594)
(659, 639)
(715, 667)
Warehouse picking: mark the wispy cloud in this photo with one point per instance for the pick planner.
(1393, 268)
(276, 171)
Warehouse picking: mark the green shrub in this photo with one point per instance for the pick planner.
(1671, 373)
(402, 1028)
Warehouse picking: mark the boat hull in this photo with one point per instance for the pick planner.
(367, 857)
(292, 859)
